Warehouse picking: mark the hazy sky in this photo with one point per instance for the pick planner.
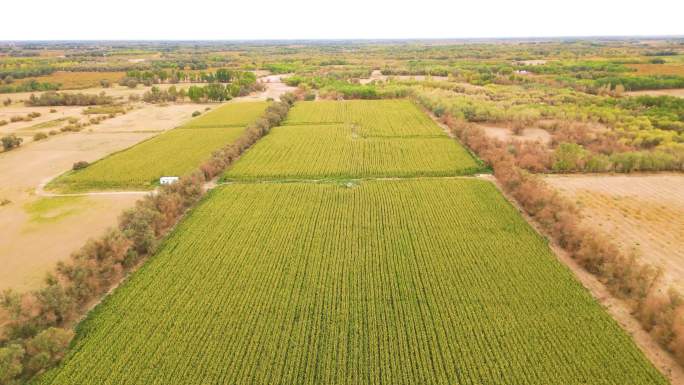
(308, 19)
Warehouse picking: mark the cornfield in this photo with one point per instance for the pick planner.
(173, 153)
(430, 281)
(371, 118)
(355, 139)
(401, 281)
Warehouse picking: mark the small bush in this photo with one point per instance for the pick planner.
(39, 136)
(196, 113)
(11, 141)
(5, 202)
(80, 165)
(52, 110)
(3, 122)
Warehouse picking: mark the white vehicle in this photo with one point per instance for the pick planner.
(168, 180)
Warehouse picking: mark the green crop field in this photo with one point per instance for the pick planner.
(355, 139)
(173, 153)
(370, 118)
(229, 115)
(332, 151)
(424, 281)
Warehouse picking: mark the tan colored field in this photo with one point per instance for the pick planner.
(528, 134)
(27, 129)
(658, 69)
(115, 91)
(274, 88)
(36, 231)
(643, 213)
(80, 80)
(377, 75)
(43, 231)
(672, 92)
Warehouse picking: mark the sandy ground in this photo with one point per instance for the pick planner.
(45, 115)
(377, 75)
(642, 213)
(531, 62)
(678, 92)
(528, 134)
(274, 88)
(31, 245)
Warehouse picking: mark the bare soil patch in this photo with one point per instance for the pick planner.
(274, 89)
(377, 75)
(528, 134)
(643, 214)
(678, 92)
(42, 231)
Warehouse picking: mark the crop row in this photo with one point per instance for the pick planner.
(334, 151)
(432, 281)
(173, 153)
(370, 118)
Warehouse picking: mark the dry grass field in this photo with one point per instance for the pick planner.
(529, 134)
(642, 213)
(658, 69)
(672, 92)
(80, 80)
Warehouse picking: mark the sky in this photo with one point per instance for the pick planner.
(345, 19)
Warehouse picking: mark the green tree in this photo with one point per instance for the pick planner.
(223, 75)
(196, 93)
(10, 363)
(569, 157)
(47, 348)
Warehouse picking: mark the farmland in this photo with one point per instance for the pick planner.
(173, 153)
(229, 115)
(413, 281)
(381, 118)
(359, 212)
(80, 80)
(643, 213)
(359, 139)
(24, 257)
